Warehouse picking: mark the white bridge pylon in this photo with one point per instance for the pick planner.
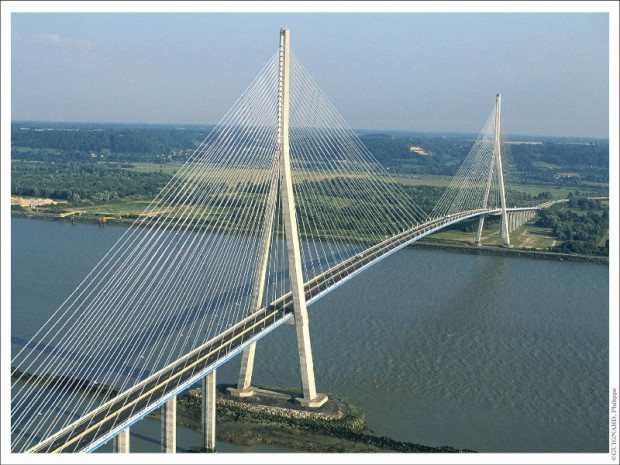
(495, 169)
(289, 218)
(479, 182)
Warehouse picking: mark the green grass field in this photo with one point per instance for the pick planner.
(121, 208)
(413, 180)
(417, 180)
(528, 236)
(166, 168)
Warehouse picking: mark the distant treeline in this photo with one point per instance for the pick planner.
(566, 164)
(112, 143)
(580, 233)
(550, 161)
(546, 162)
(82, 183)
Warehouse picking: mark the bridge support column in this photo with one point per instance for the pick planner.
(169, 426)
(244, 385)
(479, 232)
(120, 443)
(208, 411)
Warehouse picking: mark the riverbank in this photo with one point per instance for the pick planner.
(433, 244)
(271, 417)
(426, 243)
(75, 218)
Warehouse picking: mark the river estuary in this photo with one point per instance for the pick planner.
(491, 353)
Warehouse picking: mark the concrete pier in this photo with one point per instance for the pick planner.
(169, 426)
(480, 227)
(208, 410)
(244, 385)
(120, 442)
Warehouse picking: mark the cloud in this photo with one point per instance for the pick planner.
(52, 39)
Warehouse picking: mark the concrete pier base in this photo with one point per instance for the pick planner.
(318, 401)
(120, 442)
(169, 426)
(208, 410)
(248, 392)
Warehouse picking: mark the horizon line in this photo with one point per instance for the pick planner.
(13, 121)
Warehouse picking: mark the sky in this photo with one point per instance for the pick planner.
(409, 71)
(402, 71)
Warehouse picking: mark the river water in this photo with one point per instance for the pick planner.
(495, 354)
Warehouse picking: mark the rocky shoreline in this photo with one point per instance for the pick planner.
(270, 417)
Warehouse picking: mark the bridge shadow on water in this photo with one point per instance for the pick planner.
(147, 338)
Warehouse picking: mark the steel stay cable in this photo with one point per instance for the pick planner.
(335, 125)
(188, 315)
(169, 185)
(134, 222)
(365, 155)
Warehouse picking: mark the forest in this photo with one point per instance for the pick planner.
(87, 143)
(83, 183)
(565, 162)
(541, 162)
(582, 227)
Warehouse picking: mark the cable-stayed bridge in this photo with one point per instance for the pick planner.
(278, 206)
